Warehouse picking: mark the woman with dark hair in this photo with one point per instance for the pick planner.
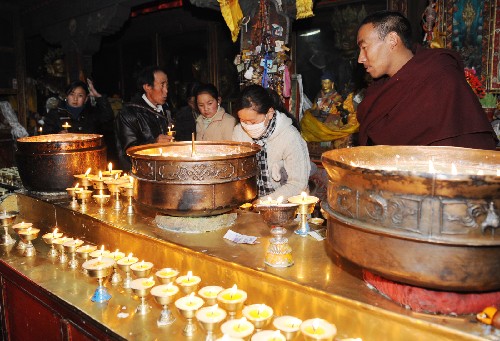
(283, 160)
(214, 123)
(76, 115)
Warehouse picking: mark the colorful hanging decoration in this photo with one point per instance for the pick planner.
(263, 57)
(231, 12)
(304, 9)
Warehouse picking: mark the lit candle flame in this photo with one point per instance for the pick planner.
(304, 196)
(110, 167)
(116, 176)
(76, 186)
(315, 324)
(131, 180)
(233, 291)
(54, 233)
(161, 151)
(100, 175)
(130, 255)
(189, 275)
(102, 250)
(87, 172)
(190, 298)
(279, 201)
(212, 310)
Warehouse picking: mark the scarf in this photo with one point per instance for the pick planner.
(264, 184)
(74, 111)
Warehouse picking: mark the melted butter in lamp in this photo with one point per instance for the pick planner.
(232, 295)
(237, 328)
(318, 329)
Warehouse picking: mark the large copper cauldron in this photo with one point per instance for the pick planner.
(425, 216)
(47, 163)
(217, 178)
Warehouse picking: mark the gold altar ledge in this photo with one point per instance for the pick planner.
(318, 285)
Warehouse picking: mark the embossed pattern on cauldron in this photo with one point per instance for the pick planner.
(425, 216)
(47, 163)
(219, 177)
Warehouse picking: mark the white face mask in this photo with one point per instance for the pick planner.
(255, 130)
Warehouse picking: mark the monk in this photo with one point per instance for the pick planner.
(418, 97)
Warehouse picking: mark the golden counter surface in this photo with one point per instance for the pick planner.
(316, 286)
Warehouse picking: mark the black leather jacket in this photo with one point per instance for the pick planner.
(138, 124)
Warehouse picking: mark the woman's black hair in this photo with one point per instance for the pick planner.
(254, 97)
(206, 89)
(77, 84)
(261, 100)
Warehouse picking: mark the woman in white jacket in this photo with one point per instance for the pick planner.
(284, 160)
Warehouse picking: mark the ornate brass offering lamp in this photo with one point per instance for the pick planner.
(209, 294)
(141, 269)
(259, 314)
(6, 219)
(127, 191)
(306, 206)
(112, 173)
(98, 182)
(49, 238)
(85, 179)
(187, 306)
(167, 275)
(59, 245)
(99, 268)
(277, 215)
(318, 329)
(84, 196)
(21, 226)
(70, 247)
(210, 318)
(141, 287)
(72, 192)
(84, 253)
(101, 199)
(116, 277)
(288, 325)
(27, 235)
(188, 283)
(124, 265)
(114, 189)
(239, 328)
(232, 300)
(164, 294)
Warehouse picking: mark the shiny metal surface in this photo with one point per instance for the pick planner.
(217, 178)
(316, 286)
(418, 215)
(47, 163)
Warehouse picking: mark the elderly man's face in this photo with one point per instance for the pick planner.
(157, 93)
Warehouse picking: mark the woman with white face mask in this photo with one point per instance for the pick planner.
(213, 123)
(283, 161)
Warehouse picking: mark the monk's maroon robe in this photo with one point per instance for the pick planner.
(427, 102)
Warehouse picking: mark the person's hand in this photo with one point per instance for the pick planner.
(92, 91)
(164, 138)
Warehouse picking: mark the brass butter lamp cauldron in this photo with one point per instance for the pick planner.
(124, 265)
(210, 318)
(49, 238)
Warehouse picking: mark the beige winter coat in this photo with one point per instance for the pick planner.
(220, 129)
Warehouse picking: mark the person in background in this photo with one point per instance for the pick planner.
(76, 114)
(185, 117)
(214, 123)
(146, 119)
(283, 160)
(419, 97)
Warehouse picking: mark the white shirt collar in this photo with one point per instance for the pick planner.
(157, 108)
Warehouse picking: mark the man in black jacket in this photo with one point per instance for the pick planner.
(146, 119)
